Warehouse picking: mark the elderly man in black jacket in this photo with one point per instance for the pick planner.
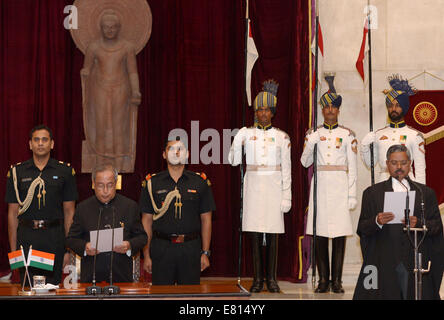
(106, 209)
(387, 270)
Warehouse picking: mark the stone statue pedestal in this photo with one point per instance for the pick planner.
(90, 160)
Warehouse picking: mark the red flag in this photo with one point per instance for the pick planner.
(320, 40)
(364, 48)
(321, 48)
(252, 56)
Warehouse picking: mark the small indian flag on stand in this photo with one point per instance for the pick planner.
(41, 260)
(16, 259)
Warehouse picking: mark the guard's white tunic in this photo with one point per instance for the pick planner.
(388, 136)
(267, 179)
(337, 175)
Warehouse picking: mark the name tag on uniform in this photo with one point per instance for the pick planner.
(26, 179)
(192, 190)
(161, 191)
(55, 177)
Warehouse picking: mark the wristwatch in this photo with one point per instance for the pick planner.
(205, 252)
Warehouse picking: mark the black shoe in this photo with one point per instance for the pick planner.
(257, 286)
(273, 287)
(323, 287)
(336, 287)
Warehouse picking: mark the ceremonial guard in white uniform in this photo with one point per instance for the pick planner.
(267, 184)
(336, 190)
(397, 132)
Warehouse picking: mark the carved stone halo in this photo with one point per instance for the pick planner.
(134, 15)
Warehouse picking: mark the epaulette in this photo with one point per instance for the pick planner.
(286, 136)
(147, 178)
(204, 177)
(419, 133)
(349, 130)
(309, 131)
(68, 165)
(12, 166)
(382, 128)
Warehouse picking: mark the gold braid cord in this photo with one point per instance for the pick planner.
(169, 198)
(28, 200)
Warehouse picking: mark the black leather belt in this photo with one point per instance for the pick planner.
(40, 224)
(176, 238)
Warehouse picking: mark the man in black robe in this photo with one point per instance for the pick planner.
(106, 210)
(388, 254)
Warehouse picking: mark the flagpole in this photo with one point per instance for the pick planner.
(370, 95)
(26, 272)
(310, 75)
(315, 151)
(239, 266)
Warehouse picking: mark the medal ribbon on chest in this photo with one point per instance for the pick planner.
(338, 142)
(402, 139)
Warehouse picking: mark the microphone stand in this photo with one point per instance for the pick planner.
(418, 270)
(94, 289)
(111, 289)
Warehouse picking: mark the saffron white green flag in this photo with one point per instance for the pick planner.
(41, 260)
(16, 259)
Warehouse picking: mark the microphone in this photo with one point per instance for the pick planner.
(407, 210)
(422, 199)
(111, 289)
(94, 289)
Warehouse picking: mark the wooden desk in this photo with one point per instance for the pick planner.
(137, 290)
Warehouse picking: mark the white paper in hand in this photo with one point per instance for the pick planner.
(105, 239)
(395, 202)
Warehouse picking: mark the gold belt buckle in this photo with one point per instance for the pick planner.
(180, 238)
(39, 224)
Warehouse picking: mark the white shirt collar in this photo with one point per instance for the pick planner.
(397, 186)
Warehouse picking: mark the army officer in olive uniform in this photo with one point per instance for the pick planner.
(41, 194)
(176, 207)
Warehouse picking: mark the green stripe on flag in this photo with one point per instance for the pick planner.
(17, 265)
(39, 265)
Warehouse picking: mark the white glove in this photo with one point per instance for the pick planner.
(352, 202)
(285, 205)
(313, 137)
(369, 138)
